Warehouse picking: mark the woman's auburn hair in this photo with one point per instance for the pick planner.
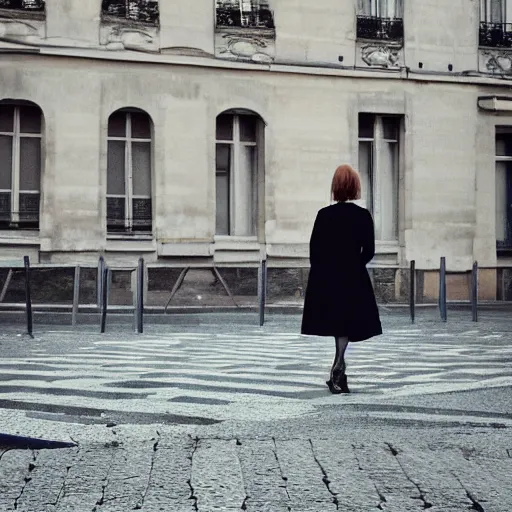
(346, 185)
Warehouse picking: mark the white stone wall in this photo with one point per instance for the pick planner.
(309, 101)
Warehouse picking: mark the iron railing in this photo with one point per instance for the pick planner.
(495, 35)
(145, 11)
(233, 16)
(23, 5)
(373, 27)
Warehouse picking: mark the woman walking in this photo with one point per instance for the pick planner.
(340, 301)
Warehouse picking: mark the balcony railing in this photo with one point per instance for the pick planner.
(23, 5)
(234, 17)
(495, 35)
(145, 11)
(382, 29)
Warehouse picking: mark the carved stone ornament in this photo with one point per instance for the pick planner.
(382, 55)
(248, 47)
(499, 62)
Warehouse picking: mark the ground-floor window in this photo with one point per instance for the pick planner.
(379, 160)
(504, 187)
(20, 165)
(236, 174)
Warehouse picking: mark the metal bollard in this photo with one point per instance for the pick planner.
(99, 281)
(28, 299)
(104, 297)
(76, 295)
(442, 290)
(474, 292)
(140, 296)
(412, 290)
(262, 290)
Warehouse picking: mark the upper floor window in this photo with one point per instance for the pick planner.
(379, 159)
(380, 19)
(496, 23)
(129, 205)
(23, 5)
(20, 165)
(244, 13)
(145, 11)
(238, 173)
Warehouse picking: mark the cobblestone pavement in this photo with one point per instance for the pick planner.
(208, 414)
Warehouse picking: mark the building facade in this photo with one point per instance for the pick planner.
(206, 132)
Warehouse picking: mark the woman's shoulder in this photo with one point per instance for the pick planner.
(353, 208)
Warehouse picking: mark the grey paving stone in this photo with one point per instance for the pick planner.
(169, 485)
(352, 487)
(14, 476)
(217, 480)
(264, 484)
(396, 492)
(303, 476)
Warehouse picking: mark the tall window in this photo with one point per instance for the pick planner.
(495, 23)
(20, 165)
(145, 11)
(244, 13)
(23, 5)
(237, 174)
(129, 208)
(379, 168)
(380, 19)
(504, 187)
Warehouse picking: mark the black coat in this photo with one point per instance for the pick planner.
(339, 296)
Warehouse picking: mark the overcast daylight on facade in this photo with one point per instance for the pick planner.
(206, 133)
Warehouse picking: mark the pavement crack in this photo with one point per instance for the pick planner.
(104, 486)
(426, 503)
(193, 496)
(146, 489)
(382, 498)
(2, 453)
(325, 478)
(509, 452)
(62, 489)
(244, 502)
(475, 504)
(283, 476)
(26, 479)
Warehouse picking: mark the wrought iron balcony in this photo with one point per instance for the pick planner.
(261, 17)
(23, 5)
(382, 29)
(145, 11)
(495, 35)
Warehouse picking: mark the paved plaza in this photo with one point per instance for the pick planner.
(211, 412)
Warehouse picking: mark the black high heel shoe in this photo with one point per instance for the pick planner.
(338, 383)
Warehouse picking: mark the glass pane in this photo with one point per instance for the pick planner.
(29, 207)
(366, 174)
(248, 128)
(117, 125)
(116, 168)
(364, 7)
(141, 172)
(30, 164)
(390, 126)
(244, 192)
(142, 214)
(388, 169)
(222, 189)
(496, 11)
(5, 162)
(5, 206)
(366, 124)
(30, 120)
(116, 209)
(141, 125)
(503, 144)
(6, 118)
(501, 201)
(224, 127)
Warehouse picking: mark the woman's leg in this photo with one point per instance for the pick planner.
(338, 380)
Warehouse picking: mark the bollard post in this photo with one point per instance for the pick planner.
(104, 297)
(28, 299)
(76, 295)
(442, 290)
(262, 290)
(412, 290)
(99, 281)
(140, 296)
(474, 292)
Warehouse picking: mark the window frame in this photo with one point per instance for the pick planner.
(378, 140)
(16, 190)
(504, 245)
(236, 145)
(129, 196)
